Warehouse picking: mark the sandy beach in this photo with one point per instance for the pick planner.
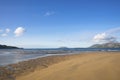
(88, 66)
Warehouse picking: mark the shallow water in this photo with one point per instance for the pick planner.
(10, 56)
(13, 56)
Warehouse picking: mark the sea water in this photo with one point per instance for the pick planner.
(10, 56)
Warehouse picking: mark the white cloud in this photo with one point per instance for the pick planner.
(7, 30)
(19, 31)
(49, 13)
(1, 30)
(4, 35)
(108, 36)
(99, 37)
(103, 37)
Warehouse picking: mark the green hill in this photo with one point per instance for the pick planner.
(7, 47)
(106, 45)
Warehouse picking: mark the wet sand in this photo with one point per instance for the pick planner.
(88, 66)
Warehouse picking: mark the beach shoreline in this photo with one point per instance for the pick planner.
(28, 66)
(20, 70)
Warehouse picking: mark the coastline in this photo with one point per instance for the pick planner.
(22, 69)
(25, 67)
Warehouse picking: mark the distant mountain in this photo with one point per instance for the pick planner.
(7, 47)
(106, 45)
(63, 48)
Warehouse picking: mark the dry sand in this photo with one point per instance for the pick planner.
(93, 66)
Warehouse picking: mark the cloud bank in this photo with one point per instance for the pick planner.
(19, 31)
(107, 36)
(104, 37)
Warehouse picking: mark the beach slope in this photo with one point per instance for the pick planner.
(93, 66)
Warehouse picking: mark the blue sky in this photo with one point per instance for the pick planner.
(56, 23)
